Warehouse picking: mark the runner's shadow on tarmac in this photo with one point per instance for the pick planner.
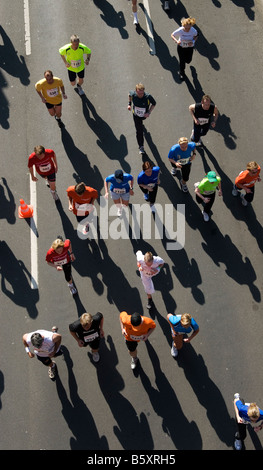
(207, 393)
(133, 431)
(184, 434)
(114, 149)
(14, 274)
(111, 17)
(77, 415)
(7, 203)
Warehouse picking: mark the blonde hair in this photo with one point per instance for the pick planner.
(74, 38)
(86, 319)
(140, 86)
(252, 166)
(186, 319)
(253, 411)
(182, 140)
(58, 243)
(185, 21)
(148, 257)
(39, 149)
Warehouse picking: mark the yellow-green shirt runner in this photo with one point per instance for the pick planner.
(75, 57)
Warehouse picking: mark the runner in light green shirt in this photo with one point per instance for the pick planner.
(206, 190)
(72, 56)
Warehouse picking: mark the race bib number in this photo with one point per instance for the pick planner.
(61, 262)
(119, 191)
(137, 338)
(52, 92)
(45, 168)
(82, 207)
(186, 44)
(207, 193)
(90, 338)
(203, 120)
(139, 111)
(75, 63)
(184, 161)
(151, 185)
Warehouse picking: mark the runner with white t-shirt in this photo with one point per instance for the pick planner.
(185, 38)
(149, 266)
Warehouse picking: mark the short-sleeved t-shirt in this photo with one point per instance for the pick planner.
(122, 187)
(75, 57)
(150, 181)
(146, 270)
(87, 335)
(178, 328)
(136, 333)
(206, 188)
(141, 105)
(246, 179)
(82, 202)
(181, 156)
(186, 37)
(59, 259)
(48, 345)
(242, 411)
(204, 116)
(44, 166)
(50, 91)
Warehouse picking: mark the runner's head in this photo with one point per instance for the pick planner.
(86, 320)
(139, 88)
(148, 258)
(48, 74)
(252, 167)
(136, 319)
(253, 412)
(74, 41)
(58, 245)
(37, 340)
(39, 150)
(206, 101)
(80, 188)
(186, 320)
(187, 23)
(183, 142)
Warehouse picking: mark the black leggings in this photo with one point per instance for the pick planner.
(207, 205)
(185, 56)
(67, 271)
(151, 194)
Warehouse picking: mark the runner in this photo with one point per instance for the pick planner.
(46, 345)
(51, 90)
(246, 180)
(148, 181)
(181, 156)
(81, 201)
(206, 192)
(45, 163)
(60, 256)
(121, 188)
(87, 331)
(204, 114)
(135, 328)
(149, 266)
(141, 104)
(187, 36)
(72, 56)
(181, 325)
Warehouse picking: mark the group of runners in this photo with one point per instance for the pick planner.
(88, 329)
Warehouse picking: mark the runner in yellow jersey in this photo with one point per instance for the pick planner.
(72, 56)
(51, 90)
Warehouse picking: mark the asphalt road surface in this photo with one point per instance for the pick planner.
(167, 404)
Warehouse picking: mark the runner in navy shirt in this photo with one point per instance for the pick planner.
(148, 181)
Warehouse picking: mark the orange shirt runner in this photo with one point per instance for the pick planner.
(245, 178)
(136, 333)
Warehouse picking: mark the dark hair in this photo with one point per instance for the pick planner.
(37, 340)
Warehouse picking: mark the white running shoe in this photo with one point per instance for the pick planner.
(134, 362)
(206, 216)
(244, 201)
(174, 351)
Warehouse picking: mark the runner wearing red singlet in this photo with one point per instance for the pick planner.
(45, 163)
(60, 256)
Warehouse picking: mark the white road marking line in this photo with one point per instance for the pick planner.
(149, 27)
(27, 27)
(33, 236)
